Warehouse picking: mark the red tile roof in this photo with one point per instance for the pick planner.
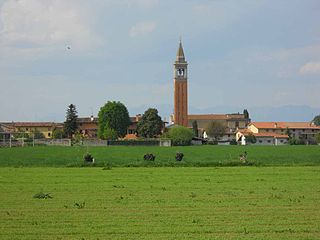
(275, 125)
(215, 116)
(33, 124)
(247, 132)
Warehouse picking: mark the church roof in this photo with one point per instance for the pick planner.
(215, 116)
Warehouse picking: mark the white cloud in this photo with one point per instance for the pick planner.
(142, 28)
(310, 68)
(36, 26)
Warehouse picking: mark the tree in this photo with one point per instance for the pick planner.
(113, 115)
(58, 133)
(180, 136)
(316, 120)
(246, 114)
(250, 138)
(37, 134)
(150, 124)
(195, 128)
(215, 130)
(70, 126)
(109, 134)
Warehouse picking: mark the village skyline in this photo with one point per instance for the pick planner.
(261, 55)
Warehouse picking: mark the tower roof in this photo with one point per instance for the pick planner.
(180, 53)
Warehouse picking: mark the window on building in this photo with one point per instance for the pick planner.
(237, 124)
(27, 129)
(293, 130)
(269, 141)
(260, 141)
(49, 134)
(281, 141)
(267, 130)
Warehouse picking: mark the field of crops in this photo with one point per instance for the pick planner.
(133, 156)
(160, 203)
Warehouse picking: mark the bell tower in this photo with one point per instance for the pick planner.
(180, 88)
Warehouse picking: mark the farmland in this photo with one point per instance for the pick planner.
(161, 203)
(198, 156)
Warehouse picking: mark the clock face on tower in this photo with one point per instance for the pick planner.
(180, 72)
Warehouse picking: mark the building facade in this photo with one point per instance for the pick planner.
(303, 131)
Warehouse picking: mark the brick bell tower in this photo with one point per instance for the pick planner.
(180, 88)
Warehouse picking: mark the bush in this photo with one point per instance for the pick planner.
(42, 195)
(318, 138)
(149, 157)
(296, 141)
(233, 142)
(88, 158)
(180, 136)
(179, 156)
(109, 134)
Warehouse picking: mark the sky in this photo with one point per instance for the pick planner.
(253, 54)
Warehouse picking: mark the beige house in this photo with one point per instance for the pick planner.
(263, 138)
(304, 131)
(232, 122)
(45, 128)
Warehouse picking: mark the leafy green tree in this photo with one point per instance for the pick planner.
(180, 136)
(195, 128)
(316, 120)
(37, 134)
(113, 115)
(150, 124)
(58, 133)
(70, 126)
(246, 114)
(250, 138)
(215, 130)
(109, 134)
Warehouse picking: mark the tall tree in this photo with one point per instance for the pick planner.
(316, 120)
(216, 130)
(150, 124)
(113, 115)
(246, 114)
(195, 128)
(70, 126)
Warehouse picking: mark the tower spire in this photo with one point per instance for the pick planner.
(180, 54)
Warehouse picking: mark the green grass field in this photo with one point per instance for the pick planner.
(161, 203)
(133, 156)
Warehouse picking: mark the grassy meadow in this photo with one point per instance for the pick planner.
(161, 203)
(122, 156)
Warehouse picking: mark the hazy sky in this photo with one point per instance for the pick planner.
(243, 53)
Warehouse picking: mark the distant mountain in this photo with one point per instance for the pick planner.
(264, 113)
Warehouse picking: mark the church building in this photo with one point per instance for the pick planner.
(233, 121)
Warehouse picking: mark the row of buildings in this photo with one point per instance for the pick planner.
(238, 126)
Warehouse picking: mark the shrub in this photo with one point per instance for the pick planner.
(318, 138)
(109, 134)
(41, 195)
(180, 136)
(79, 205)
(149, 157)
(233, 142)
(179, 156)
(296, 141)
(250, 138)
(88, 158)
